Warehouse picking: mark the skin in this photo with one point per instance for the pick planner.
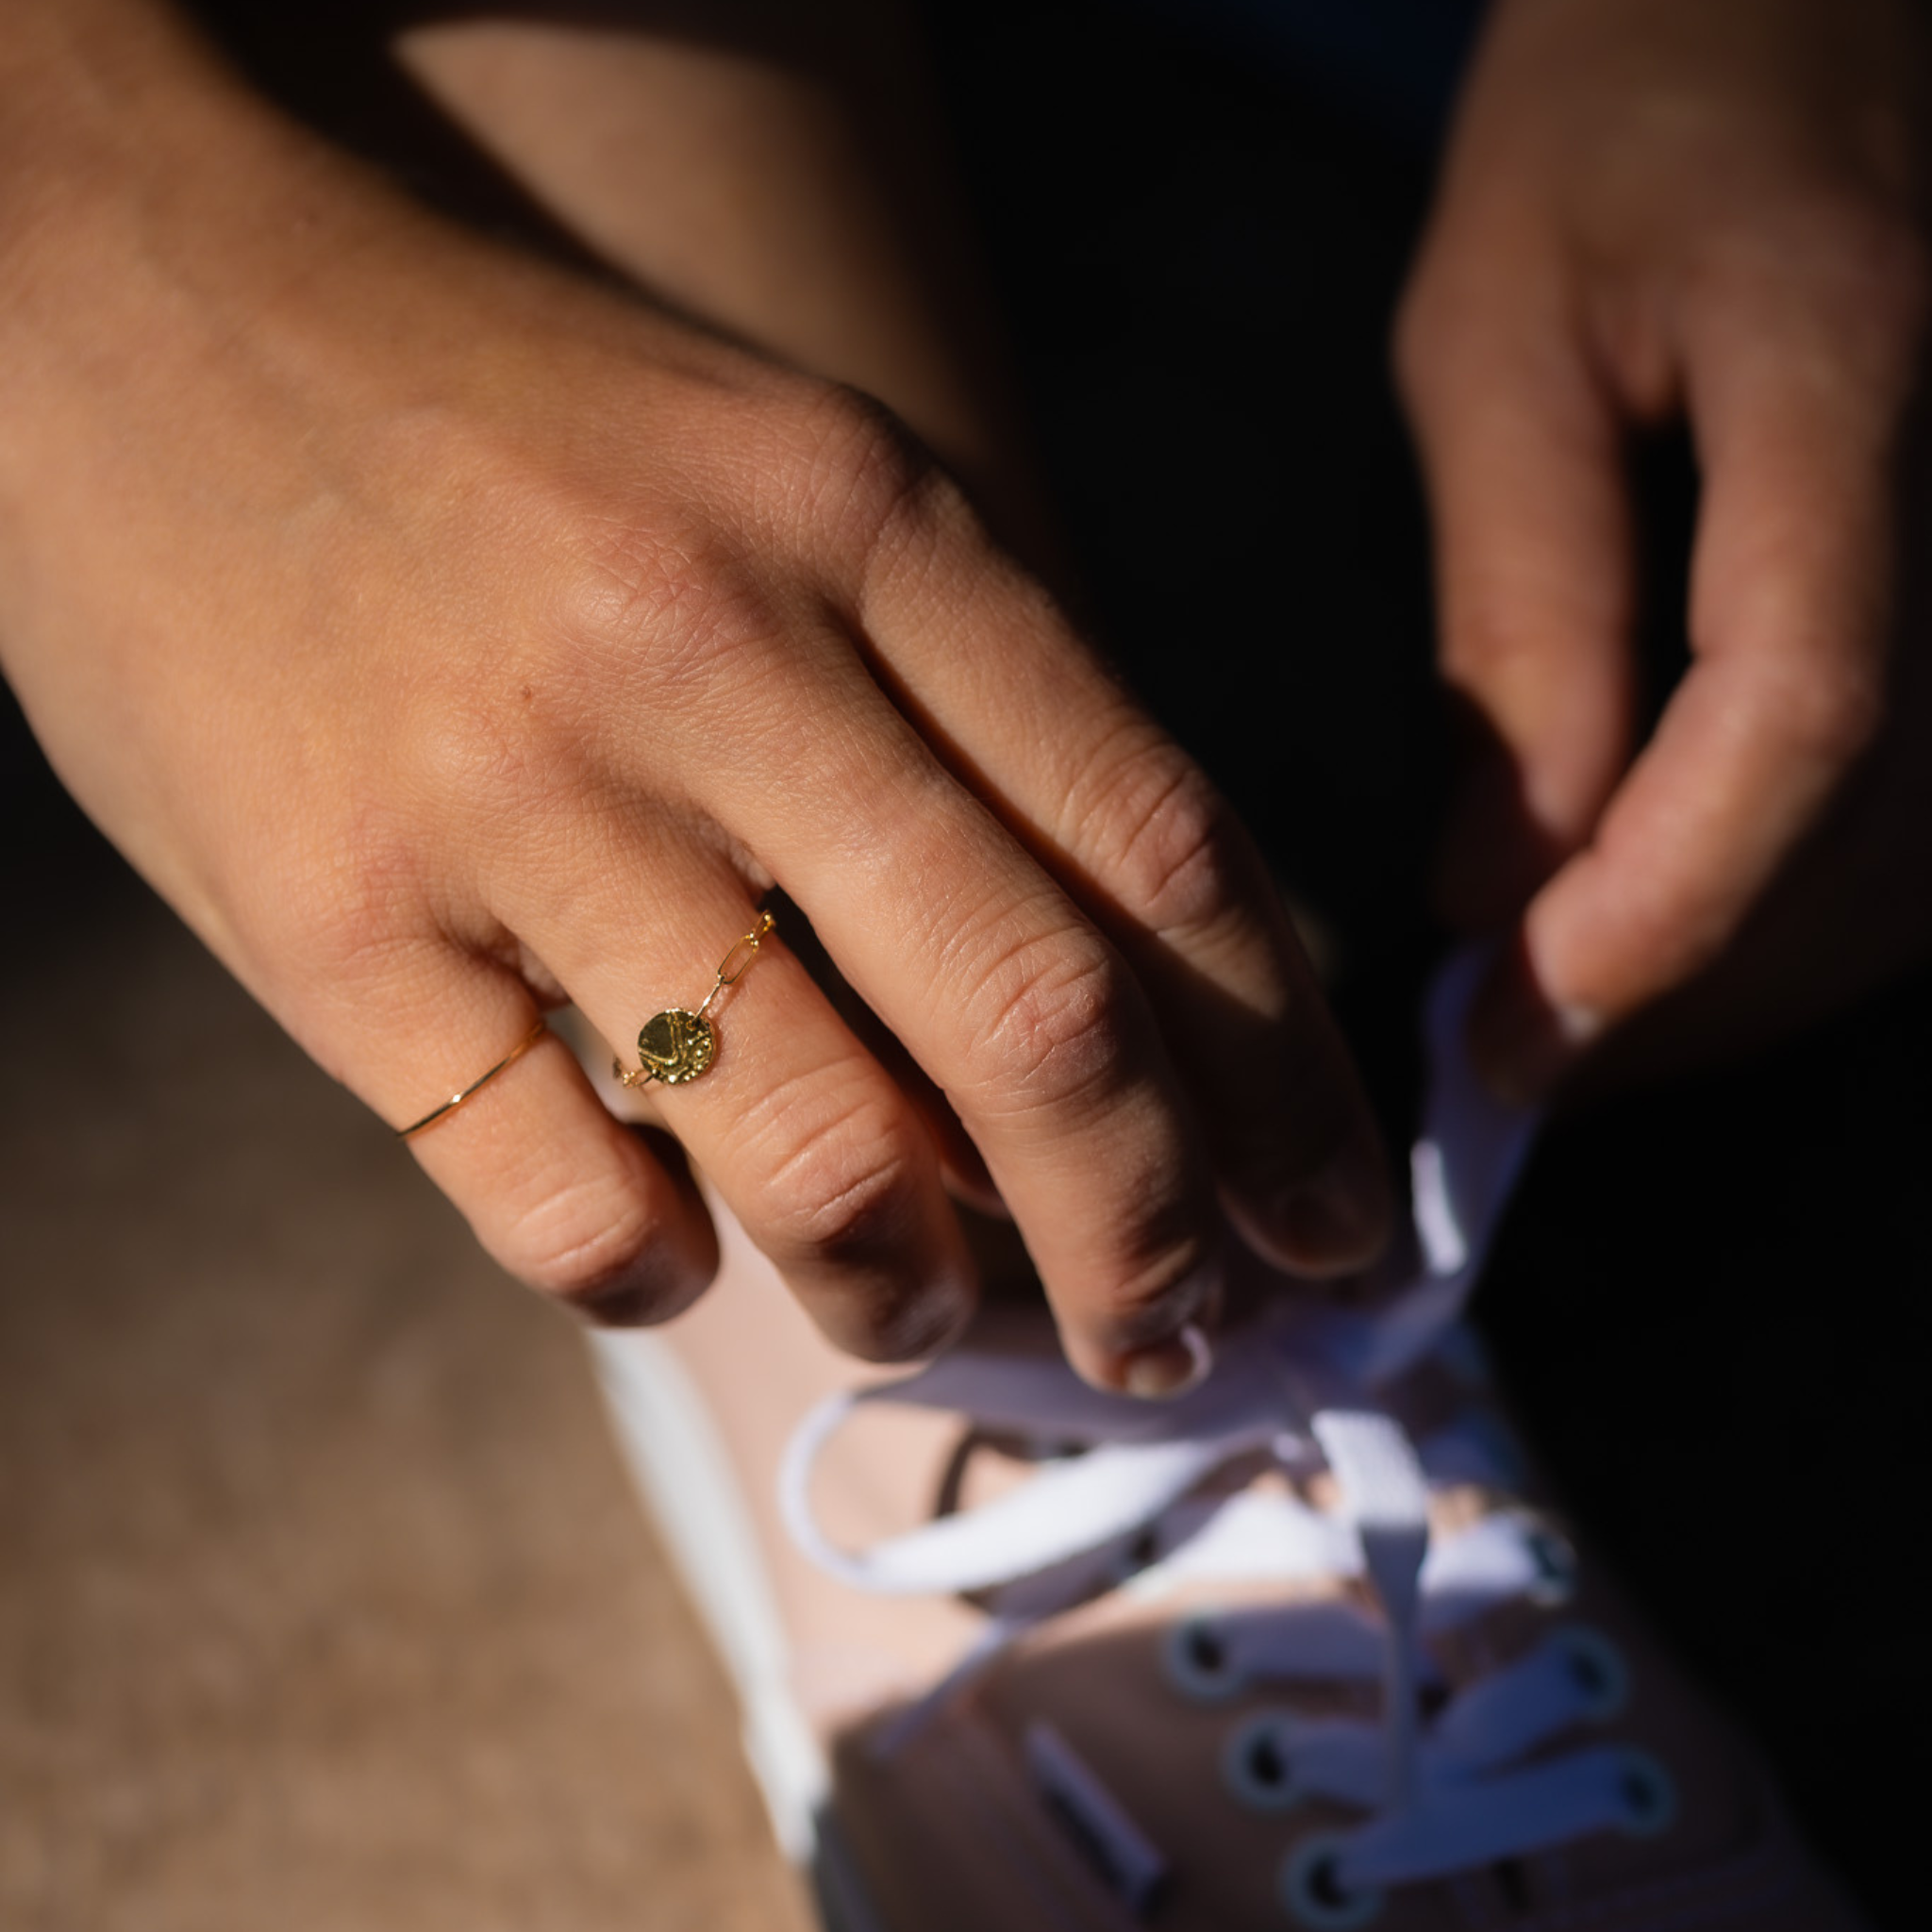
(1706, 210)
(1572, 293)
(446, 634)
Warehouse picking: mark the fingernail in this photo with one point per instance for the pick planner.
(1170, 1368)
(1340, 1218)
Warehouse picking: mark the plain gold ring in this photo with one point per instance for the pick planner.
(476, 1086)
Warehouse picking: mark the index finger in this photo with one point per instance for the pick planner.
(1132, 829)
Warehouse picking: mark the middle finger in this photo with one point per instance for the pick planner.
(1002, 989)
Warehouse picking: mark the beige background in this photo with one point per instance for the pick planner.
(323, 1601)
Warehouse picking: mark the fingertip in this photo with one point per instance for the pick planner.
(887, 1320)
(1170, 1369)
(929, 1323)
(655, 1285)
(648, 1252)
(871, 1247)
(1323, 1212)
(1165, 1350)
(578, 1206)
(1340, 1220)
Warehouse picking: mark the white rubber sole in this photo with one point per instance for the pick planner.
(683, 1474)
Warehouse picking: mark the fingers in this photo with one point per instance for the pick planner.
(819, 1153)
(1009, 999)
(1787, 626)
(1130, 827)
(566, 1198)
(1534, 574)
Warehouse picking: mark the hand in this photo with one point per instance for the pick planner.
(444, 637)
(1652, 209)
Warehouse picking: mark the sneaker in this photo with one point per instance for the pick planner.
(1306, 1648)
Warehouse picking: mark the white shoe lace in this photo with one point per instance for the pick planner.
(1122, 1494)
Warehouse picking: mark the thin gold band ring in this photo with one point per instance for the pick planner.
(476, 1086)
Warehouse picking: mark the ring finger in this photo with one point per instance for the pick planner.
(568, 1199)
(816, 1149)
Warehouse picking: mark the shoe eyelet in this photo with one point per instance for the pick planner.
(1257, 1765)
(1648, 1794)
(1140, 1551)
(1199, 1663)
(1313, 1891)
(1597, 1669)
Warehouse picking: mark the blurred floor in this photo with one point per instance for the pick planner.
(323, 1599)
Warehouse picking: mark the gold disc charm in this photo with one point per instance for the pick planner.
(677, 1046)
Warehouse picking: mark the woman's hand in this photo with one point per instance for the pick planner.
(1655, 207)
(445, 638)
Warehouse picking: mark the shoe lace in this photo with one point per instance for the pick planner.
(1125, 1494)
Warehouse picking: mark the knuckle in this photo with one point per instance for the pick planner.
(889, 512)
(352, 922)
(1163, 1279)
(856, 471)
(1054, 1026)
(863, 445)
(485, 752)
(840, 1183)
(674, 599)
(600, 1255)
(842, 1211)
(1169, 845)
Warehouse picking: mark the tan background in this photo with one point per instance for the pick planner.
(323, 1601)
